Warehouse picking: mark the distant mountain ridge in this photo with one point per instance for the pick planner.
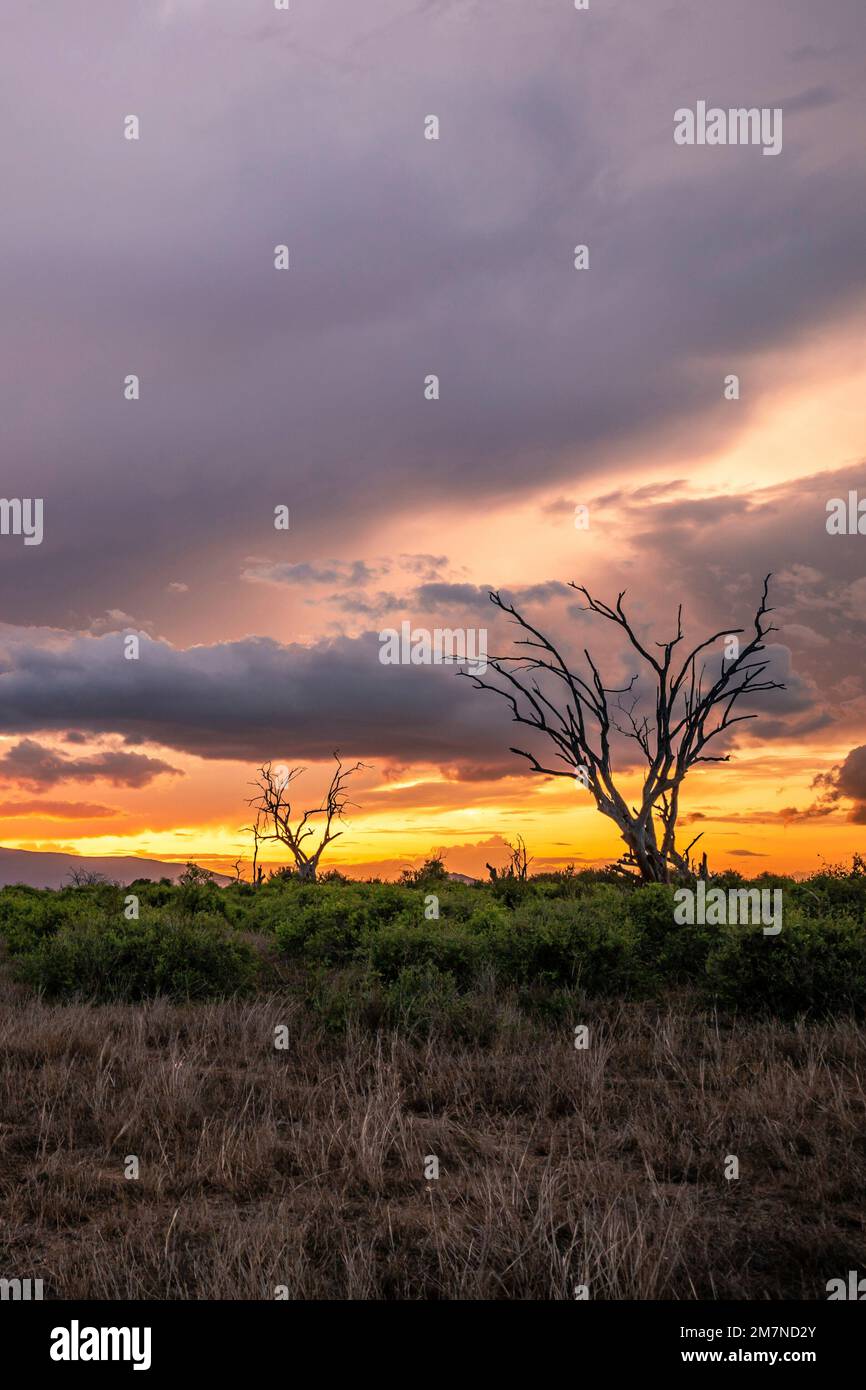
(46, 870)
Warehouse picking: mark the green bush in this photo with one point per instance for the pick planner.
(815, 966)
(668, 951)
(26, 919)
(369, 952)
(587, 941)
(424, 999)
(431, 874)
(511, 890)
(407, 942)
(834, 890)
(137, 960)
(327, 923)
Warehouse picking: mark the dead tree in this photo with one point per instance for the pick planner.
(274, 815)
(575, 714)
(85, 878)
(519, 861)
(256, 872)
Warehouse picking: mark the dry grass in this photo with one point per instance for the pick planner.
(304, 1167)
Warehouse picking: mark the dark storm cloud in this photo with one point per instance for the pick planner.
(256, 699)
(408, 257)
(247, 699)
(844, 782)
(851, 779)
(847, 782)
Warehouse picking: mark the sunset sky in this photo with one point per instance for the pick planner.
(559, 388)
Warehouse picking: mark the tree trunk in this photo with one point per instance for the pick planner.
(653, 865)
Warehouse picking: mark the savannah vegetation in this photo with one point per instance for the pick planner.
(283, 1057)
(300, 1167)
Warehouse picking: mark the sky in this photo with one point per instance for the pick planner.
(559, 388)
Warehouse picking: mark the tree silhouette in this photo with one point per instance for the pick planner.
(274, 815)
(519, 861)
(575, 714)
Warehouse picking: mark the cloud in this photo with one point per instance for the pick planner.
(558, 506)
(453, 595)
(365, 606)
(356, 572)
(29, 764)
(805, 636)
(258, 384)
(811, 99)
(115, 620)
(249, 699)
(715, 552)
(847, 782)
(478, 595)
(427, 567)
(257, 698)
(56, 810)
(537, 593)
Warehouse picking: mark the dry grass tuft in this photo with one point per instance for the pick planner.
(304, 1167)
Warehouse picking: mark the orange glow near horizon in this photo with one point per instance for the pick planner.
(736, 807)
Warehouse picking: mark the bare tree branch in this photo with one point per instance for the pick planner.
(690, 711)
(275, 819)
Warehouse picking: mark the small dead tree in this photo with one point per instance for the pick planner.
(274, 815)
(575, 714)
(85, 878)
(518, 864)
(256, 872)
